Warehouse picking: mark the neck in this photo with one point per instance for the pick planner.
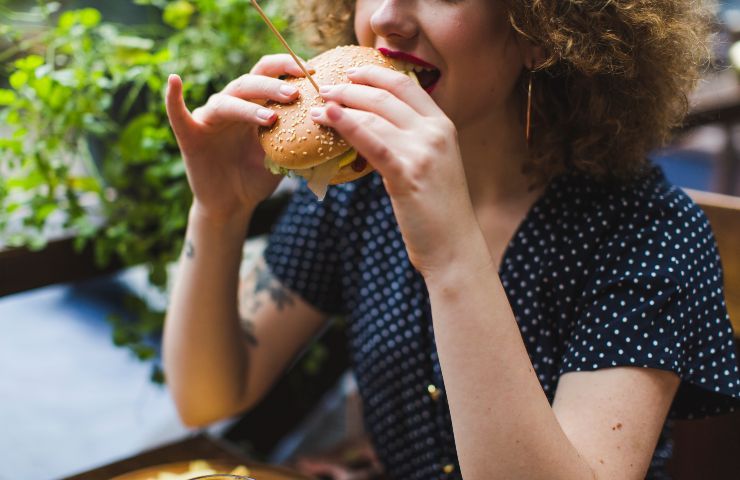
(494, 151)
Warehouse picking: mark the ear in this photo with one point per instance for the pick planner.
(533, 55)
(536, 57)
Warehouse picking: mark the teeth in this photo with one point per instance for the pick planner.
(408, 66)
(419, 69)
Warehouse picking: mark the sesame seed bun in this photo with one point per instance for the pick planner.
(295, 141)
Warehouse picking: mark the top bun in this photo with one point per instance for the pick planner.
(295, 141)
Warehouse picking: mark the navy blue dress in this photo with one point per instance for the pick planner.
(598, 276)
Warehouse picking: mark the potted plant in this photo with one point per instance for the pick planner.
(85, 145)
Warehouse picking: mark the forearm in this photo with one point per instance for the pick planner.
(503, 423)
(203, 346)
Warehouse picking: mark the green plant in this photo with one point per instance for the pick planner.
(86, 145)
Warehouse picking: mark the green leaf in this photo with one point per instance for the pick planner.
(144, 352)
(42, 86)
(177, 14)
(18, 79)
(30, 181)
(85, 184)
(44, 211)
(67, 20)
(31, 62)
(14, 145)
(7, 97)
(89, 17)
(157, 375)
(59, 96)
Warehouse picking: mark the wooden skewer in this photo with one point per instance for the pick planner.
(285, 44)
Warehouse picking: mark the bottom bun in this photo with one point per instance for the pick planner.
(348, 174)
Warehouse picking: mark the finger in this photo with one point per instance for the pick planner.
(364, 131)
(371, 99)
(280, 64)
(177, 111)
(399, 84)
(251, 87)
(223, 109)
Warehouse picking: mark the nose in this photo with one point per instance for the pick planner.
(394, 18)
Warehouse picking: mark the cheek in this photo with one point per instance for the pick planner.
(363, 31)
(483, 77)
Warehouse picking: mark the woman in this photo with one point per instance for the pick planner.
(527, 297)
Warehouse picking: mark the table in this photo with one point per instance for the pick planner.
(198, 446)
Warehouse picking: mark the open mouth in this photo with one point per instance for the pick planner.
(427, 74)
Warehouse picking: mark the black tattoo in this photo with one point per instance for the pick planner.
(280, 295)
(189, 249)
(248, 328)
(256, 306)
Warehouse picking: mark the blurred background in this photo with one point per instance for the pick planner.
(93, 204)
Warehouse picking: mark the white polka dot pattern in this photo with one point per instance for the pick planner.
(597, 277)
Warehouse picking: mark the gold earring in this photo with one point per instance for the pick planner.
(529, 107)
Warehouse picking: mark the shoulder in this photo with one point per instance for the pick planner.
(646, 222)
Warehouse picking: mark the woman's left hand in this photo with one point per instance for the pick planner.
(396, 126)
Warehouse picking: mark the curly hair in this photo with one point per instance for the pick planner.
(612, 87)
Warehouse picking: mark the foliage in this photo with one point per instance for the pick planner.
(86, 143)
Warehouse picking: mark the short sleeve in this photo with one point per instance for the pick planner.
(657, 301)
(303, 249)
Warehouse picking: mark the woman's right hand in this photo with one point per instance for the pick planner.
(218, 141)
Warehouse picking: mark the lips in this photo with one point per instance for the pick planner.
(427, 73)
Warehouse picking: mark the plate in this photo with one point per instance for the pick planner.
(256, 471)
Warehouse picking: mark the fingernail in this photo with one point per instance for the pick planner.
(286, 89)
(325, 89)
(265, 114)
(351, 71)
(316, 112)
(309, 68)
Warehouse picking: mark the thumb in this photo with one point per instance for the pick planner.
(177, 111)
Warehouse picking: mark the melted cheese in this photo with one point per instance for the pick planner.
(319, 176)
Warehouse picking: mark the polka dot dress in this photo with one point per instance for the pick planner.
(597, 277)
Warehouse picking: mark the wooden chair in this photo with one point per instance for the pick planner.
(710, 448)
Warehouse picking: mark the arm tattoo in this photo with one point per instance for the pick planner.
(257, 288)
(265, 282)
(248, 327)
(189, 249)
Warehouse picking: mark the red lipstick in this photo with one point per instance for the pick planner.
(406, 57)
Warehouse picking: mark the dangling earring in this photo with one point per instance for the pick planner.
(528, 128)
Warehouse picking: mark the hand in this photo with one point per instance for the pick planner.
(409, 140)
(353, 460)
(218, 141)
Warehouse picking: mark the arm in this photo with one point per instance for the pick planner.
(212, 371)
(214, 367)
(503, 424)
(603, 424)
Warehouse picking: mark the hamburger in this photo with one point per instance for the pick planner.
(296, 145)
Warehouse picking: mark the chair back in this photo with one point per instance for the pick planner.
(724, 216)
(708, 448)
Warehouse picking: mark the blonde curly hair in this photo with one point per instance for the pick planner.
(612, 87)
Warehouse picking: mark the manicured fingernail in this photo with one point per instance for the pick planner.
(286, 89)
(351, 71)
(324, 89)
(316, 112)
(265, 114)
(309, 68)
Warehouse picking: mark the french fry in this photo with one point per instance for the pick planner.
(198, 468)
